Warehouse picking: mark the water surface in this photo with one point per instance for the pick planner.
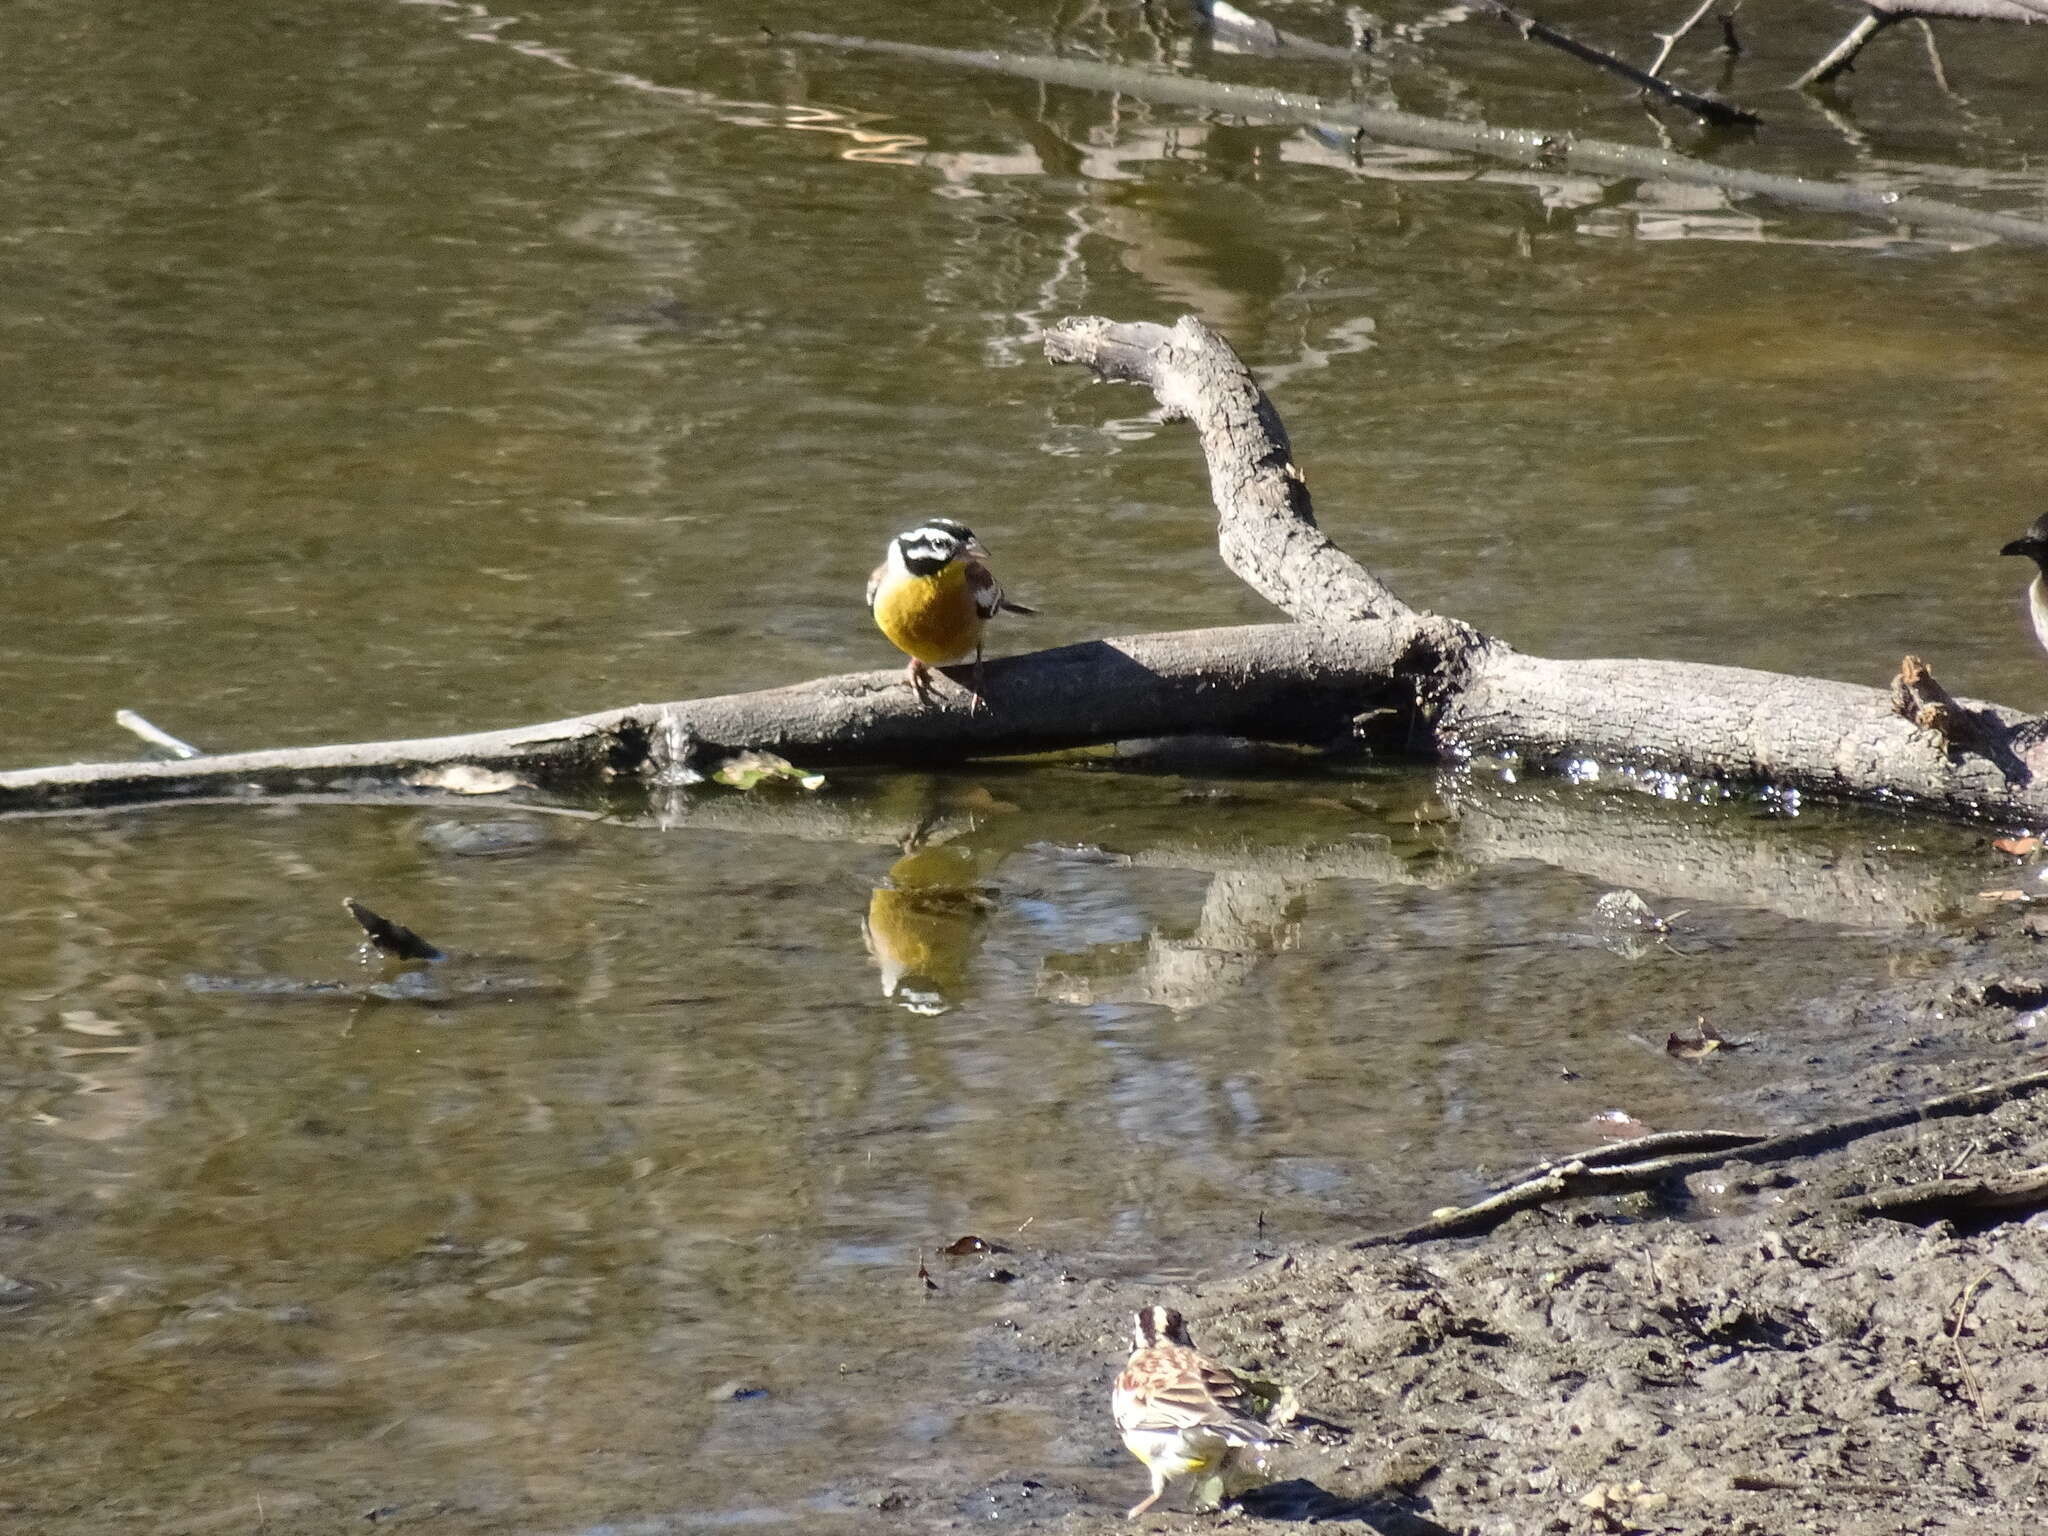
(400, 368)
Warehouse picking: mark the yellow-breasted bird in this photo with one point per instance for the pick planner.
(1180, 1412)
(932, 595)
(2034, 545)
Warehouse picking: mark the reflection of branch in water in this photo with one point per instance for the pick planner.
(1693, 853)
(869, 146)
(1522, 146)
(1851, 876)
(1246, 919)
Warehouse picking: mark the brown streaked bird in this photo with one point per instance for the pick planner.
(2034, 545)
(932, 595)
(1180, 1412)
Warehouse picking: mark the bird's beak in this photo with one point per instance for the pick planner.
(2030, 547)
(975, 550)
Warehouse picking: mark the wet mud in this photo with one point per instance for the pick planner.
(1744, 1351)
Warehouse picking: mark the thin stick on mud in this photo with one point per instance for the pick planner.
(1955, 1339)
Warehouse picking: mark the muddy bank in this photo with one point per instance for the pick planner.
(1746, 1350)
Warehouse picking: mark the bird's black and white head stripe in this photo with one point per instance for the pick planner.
(1161, 1325)
(932, 545)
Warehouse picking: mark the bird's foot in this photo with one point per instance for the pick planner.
(977, 696)
(920, 679)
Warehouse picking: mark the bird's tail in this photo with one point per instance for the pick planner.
(1245, 1431)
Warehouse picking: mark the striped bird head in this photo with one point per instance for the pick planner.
(1161, 1325)
(933, 545)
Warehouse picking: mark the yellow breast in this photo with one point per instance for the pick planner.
(930, 617)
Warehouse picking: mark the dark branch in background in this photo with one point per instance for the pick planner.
(1720, 113)
(2021, 11)
(1516, 146)
(1962, 1201)
(1598, 1173)
(1880, 14)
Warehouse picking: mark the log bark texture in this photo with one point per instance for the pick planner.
(1358, 665)
(1470, 693)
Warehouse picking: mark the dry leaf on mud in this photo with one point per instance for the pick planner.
(1998, 896)
(1626, 909)
(2018, 847)
(961, 1247)
(1703, 1042)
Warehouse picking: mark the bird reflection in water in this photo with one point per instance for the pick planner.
(923, 924)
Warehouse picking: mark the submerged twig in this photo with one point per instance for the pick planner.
(1671, 39)
(1933, 56)
(155, 735)
(1241, 29)
(1843, 55)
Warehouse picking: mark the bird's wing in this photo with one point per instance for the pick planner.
(988, 592)
(1189, 1391)
(875, 581)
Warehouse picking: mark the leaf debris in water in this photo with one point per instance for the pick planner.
(746, 770)
(465, 779)
(391, 938)
(1704, 1042)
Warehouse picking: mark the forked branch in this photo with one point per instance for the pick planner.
(1359, 664)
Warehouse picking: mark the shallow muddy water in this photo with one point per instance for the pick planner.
(404, 368)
